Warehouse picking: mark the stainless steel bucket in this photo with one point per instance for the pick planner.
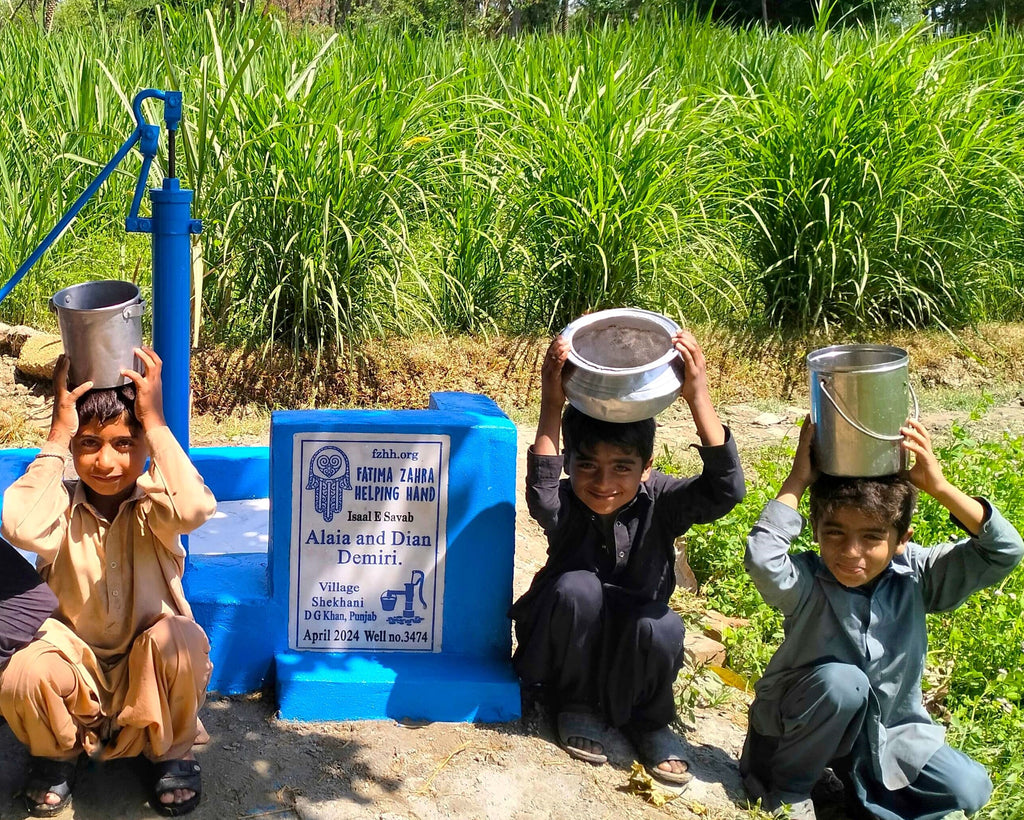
(860, 395)
(100, 326)
(622, 366)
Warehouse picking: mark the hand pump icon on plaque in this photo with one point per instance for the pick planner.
(390, 597)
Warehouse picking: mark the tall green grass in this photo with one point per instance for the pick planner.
(878, 180)
(363, 184)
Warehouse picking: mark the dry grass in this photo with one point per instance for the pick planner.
(16, 430)
(399, 374)
(742, 366)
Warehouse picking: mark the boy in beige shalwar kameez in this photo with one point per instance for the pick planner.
(121, 668)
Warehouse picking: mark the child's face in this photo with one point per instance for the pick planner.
(109, 458)
(607, 479)
(857, 547)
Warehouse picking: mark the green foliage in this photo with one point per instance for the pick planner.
(364, 183)
(715, 554)
(866, 204)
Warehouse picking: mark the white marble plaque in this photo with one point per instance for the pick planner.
(368, 542)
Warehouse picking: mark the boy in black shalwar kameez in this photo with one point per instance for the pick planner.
(25, 602)
(595, 626)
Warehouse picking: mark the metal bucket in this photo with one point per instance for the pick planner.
(860, 395)
(622, 366)
(100, 326)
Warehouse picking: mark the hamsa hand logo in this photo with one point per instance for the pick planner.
(328, 479)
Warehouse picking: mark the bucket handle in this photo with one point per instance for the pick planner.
(129, 312)
(134, 309)
(859, 427)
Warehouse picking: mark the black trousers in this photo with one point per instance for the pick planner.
(598, 647)
(25, 601)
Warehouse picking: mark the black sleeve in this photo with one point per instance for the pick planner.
(704, 498)
(25, 601)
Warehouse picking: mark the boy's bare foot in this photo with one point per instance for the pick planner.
(674, 766)
(48, 787)
(177, 785)
(661, 752)
(582, 735)
(585, 744)
(178, 795)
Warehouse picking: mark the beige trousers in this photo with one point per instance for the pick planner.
(54, 709)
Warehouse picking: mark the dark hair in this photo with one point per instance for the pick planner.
(110, 404)
(890, 498)
(581, 433)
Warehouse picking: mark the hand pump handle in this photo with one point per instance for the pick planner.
(149, 136)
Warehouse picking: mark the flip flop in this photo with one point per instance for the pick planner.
(169, 775)
(56, 776)
(660, 746)
(779, 804)
(586, 725)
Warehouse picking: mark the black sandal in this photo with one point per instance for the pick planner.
(169, 775)
(55, 776)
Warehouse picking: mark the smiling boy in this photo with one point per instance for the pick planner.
(844, 688)
(121, 668)
(595, 627)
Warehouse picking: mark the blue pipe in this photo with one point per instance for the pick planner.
(171, 226)
(149, 136)
(66, 220)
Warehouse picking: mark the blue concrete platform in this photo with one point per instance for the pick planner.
(369, 687)
(466, 672)
(233, 596)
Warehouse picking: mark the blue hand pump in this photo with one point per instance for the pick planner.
(171, 225)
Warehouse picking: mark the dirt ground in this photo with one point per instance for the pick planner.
(256, 766)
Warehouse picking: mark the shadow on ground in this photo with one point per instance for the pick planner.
(253, 766)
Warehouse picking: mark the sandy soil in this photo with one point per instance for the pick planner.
(256, 766)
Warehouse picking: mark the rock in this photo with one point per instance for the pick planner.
(701, 650)
(38, 356)
(684, 575)
(715, 623)
(12, 338)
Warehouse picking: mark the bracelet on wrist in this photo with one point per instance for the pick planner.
(51, 455)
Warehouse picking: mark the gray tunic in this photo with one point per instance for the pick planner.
(881, 630)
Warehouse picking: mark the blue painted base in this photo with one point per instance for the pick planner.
(351, 686)
(231, 601)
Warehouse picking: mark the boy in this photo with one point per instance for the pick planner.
(25, 602)
(595, 626)
(844, 688)
(122, 667)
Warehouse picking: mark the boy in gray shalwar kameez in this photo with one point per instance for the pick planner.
(844, 688)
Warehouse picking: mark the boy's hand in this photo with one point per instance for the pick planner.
(925, 474)
(695, 380)
(552, 398)
(695, 389)
(551, 391)
(149, 396)
(803, 472)
(64, 422)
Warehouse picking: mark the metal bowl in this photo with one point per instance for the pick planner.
(622, 366)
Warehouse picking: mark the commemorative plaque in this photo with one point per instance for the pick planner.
(368, 542)
(392, 535)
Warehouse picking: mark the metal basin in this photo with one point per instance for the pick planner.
(622, 366)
